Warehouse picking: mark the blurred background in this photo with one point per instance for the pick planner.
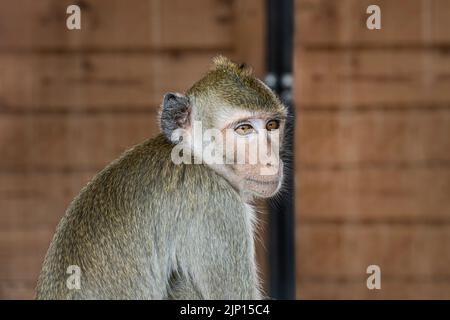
(372, 133)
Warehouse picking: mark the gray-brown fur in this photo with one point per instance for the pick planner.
(145, 228)
(133, 238)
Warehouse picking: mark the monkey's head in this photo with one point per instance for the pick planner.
(234, 123)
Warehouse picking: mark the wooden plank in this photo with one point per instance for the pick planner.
(17, 290)
(199, 23)
(356, 289)
(374, 137)
(20, 266)
(59, 142)
(22, 253)
(346, 250)
(16, 243)
(30, 200)
(374, 194)
(115, 24)
(371, 78)
(106, 81)
(327, 22)
(250, 34)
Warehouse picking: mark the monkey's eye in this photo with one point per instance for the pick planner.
(272, 125)
(244, 129)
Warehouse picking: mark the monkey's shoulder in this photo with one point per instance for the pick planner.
(147, 169)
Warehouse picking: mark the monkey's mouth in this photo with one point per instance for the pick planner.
(264, 182)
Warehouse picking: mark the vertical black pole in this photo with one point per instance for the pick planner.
(281, 220)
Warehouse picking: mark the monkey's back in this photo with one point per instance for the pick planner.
(117, 232)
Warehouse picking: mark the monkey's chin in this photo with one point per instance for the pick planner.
(261, 188)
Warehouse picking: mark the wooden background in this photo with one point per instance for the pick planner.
(72, 101)
(372, 146)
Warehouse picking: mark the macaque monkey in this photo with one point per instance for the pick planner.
(150, 226)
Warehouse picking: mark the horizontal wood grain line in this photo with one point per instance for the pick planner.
(16, 282)
(20, 291)
(46, 169)
(389, 290)
(75, 111)
(384, 277)
(429, 163)
(119, 51)
(376, 107)
(443, 47)
(364, 221)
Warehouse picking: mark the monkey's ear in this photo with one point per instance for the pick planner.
(175, 114)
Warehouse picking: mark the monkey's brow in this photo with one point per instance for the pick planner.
(277, 116)
(272, 116)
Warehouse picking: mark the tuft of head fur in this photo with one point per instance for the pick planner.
(223, 64)
(233, 85)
